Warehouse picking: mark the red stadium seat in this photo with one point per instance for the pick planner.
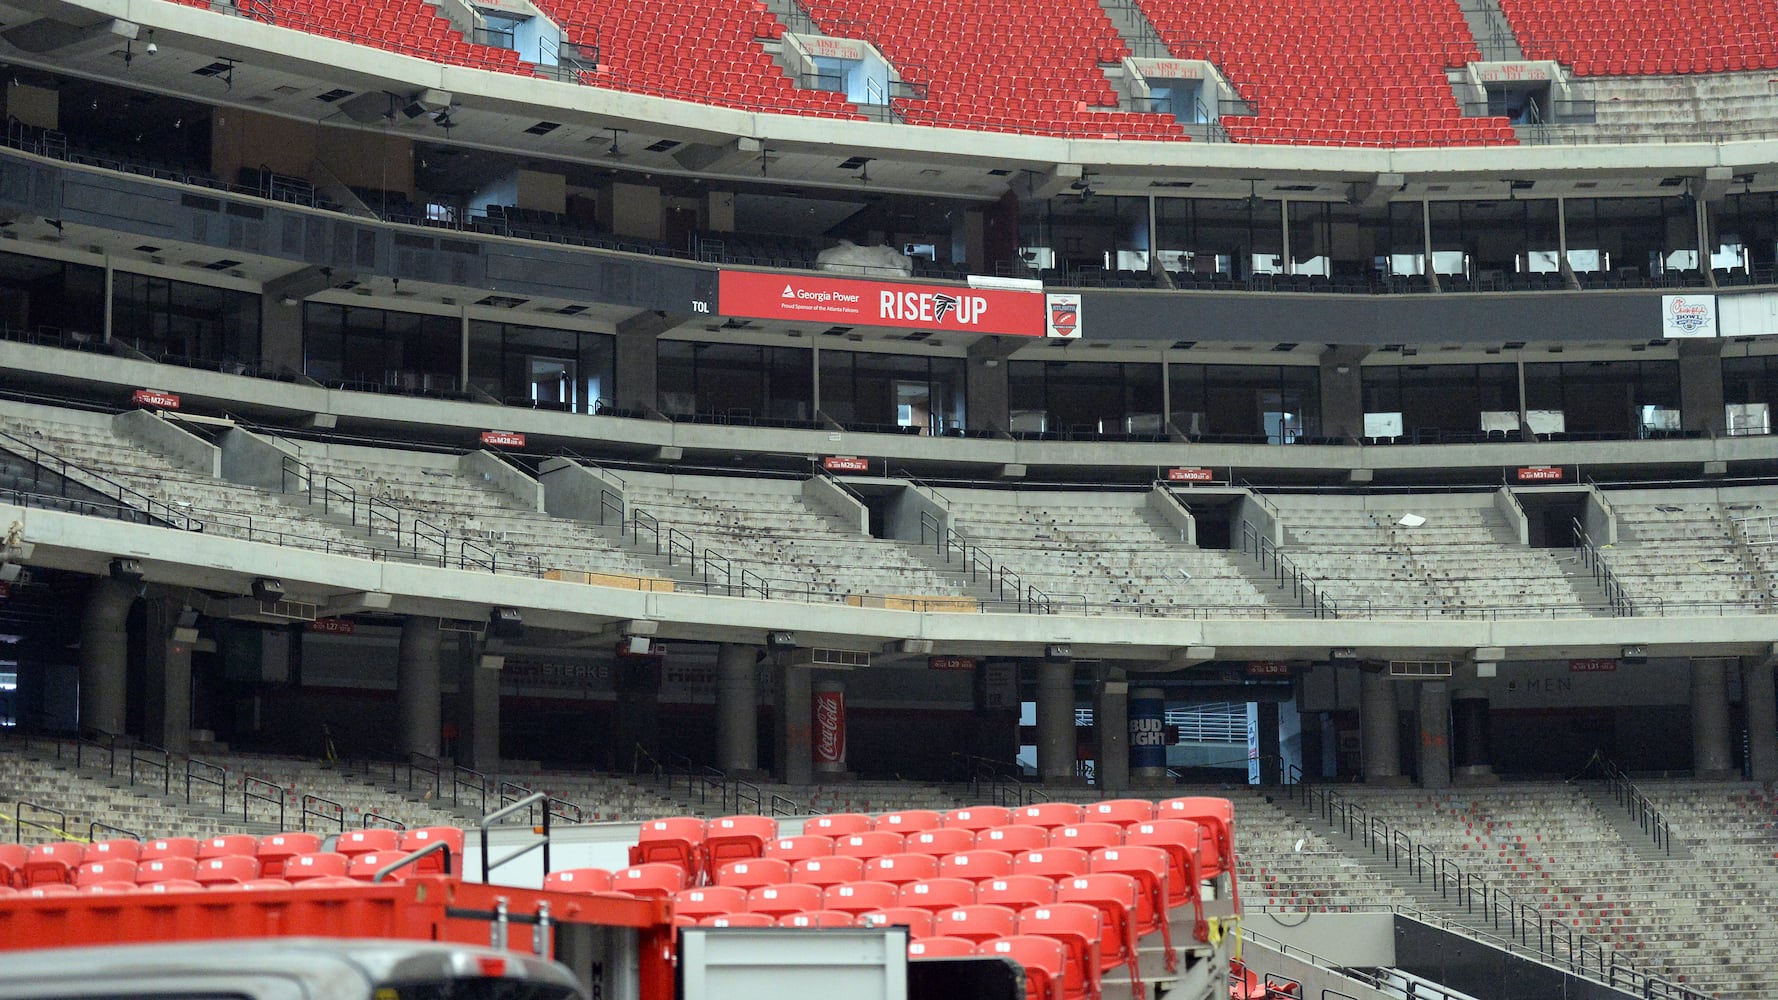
(1044, 959)
(977, 923)
(917, 921)
(175, 885)
(651, 880)
(12, 860)
(49, 889)
(940, 947)
(229, 869)
(709, 901)
(1016, 891)
(978, 817)
(1180, 838)
(777, 900)
(908, 821)
(364, 867)
(51, 863)
(838, 824)
(96, 872)
(901, 868)
(107, 850)
(578, 880)
(1013, 839)
(976, 865)
(321, 864)
(228, 845)
(817, 918)
(1122, 812)
(1216, 854)
(163, 869)
(169, 847)
(108, 888)
(873, 844)
(937, 894)
(941, 841)
(737, 838)
(1077, 927)
(1048, 814)
(798, 848)
(675, 841)
(827, 871)
(374, 840)
(739, 920)
(1148, 866)
(275, 849)
(1087, 836)
(860, 897)
(1054, 862)
(755, 873)
(448, 861)
(1118, 898)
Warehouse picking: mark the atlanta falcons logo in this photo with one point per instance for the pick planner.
(942, 305)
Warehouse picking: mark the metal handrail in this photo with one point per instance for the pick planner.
(488, 864)
(205, 773)
(782, 806)
(423, 530)
(309, 802)
(1638, 805)
(475, 781)
(1594, 561)
(388, 822)
(253, 790)
(422, 764)
(408, 859)
(19, 822)
(140, 756)
(93, 828)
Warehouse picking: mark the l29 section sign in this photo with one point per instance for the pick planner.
(815, 298)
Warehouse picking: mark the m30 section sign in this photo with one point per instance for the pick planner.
(815, 298)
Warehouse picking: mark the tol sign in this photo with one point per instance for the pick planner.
(860, 302)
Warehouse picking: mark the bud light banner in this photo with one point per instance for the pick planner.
(818, 299)
(1148, 730)
(829, 748)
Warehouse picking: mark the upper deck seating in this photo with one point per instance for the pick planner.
(1647, 38)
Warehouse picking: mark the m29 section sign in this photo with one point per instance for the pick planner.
(815, 298)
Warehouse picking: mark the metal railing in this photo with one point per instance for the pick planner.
(374, 818)
(58, 829)
(474, 782)
(148, 760)
(1285, 573)
(488, 821)
(95, 828)
(420, 767)
(256, 789)
(323, 809)
(981, 567)
(148, 509)
(1594, 562)
(203, 773)
(1640, 808)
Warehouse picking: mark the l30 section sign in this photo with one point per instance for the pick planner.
(814, 298)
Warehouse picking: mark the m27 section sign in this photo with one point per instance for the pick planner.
(815, 298)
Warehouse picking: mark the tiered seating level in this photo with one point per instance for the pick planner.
(411, 27)
(1647, 37)
(1345, 73)
(1284, 865)
(765, 528)
(1001, 65)
(1683, 552)
(698, 50)
(1108, 550)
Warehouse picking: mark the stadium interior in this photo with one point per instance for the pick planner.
(936, 465)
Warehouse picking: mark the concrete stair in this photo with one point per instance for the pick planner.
(1637, 840)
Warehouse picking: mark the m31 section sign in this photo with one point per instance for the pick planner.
(815, 298)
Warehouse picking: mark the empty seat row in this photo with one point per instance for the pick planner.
(241, 856)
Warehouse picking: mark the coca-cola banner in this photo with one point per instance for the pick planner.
(829, 748)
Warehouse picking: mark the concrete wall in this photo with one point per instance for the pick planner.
(1601, 520)
(1255, 512)
(573, 490)
(1355, 939)
(903, 519)
(1162, 502)
(505, 476)
(187, 449)
(251, 460)
(1516, 522)
(823, 493)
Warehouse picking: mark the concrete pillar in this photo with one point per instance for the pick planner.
(1710, 720)
(1757, 691)
(1435, 734)
(985, 386)
(1472, 752)
(1055, 721)
(417, 686)
(1111, 719)
(827, 725)
(737, 711)
(1271, 753)
(636, 717)
(478, 705)
(1148, 745)
(104, 657)
(166, 690)
(1700, 385)
(1342, 393)
(1379, 741)
(794, 735)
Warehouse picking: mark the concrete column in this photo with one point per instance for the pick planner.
(166, 691)
(104, 657)
(1435, 734)
(1377, 728)
(794, 735)
(1710, 720)
(417, 686)
(1111, 719)
(985, 385)
(827, 725)
(1148, 723)
(1700, 385)
(1758, 692)
(1472, 752)
(1271, 752)
(1055, 721)
(636, 717)
(737, 711)
(478, 705)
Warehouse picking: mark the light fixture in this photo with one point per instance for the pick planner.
(153, 49)
(506, 623)
(780, 640)
(126, 569)
(267, 590)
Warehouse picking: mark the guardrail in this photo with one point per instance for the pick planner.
(256, 789)
(982, 568)
(1637, 805)
(205, 773)
(59, 829)
(1594, 562)
(322, 809)
(1285, 573)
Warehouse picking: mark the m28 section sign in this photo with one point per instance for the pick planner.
(814, 298)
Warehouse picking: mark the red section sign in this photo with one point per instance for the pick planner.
(1592, 666)
(1540, 474)
(814, 298)
(1190, 476)
(1268, 668)
(950, 663)
(156, 398)
(503, 439)
(333, 626)
(845, 463)
(830, 726)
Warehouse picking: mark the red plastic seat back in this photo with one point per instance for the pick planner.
(447, 861)
(12, 859)
(918, 922)
(754, 873)
(941, 841)
(124, 849)
(860, 897)
(1048, 814)
(798, 848)
(95, 872)
(976, 865)
(901, 868)
(1181, 839)
(228, 845)
(1118, 898)
(977, 923)
(1217, 816)
(578, 880)
(231, 869)
(777, 900)
(978, 817)
(1013, 839)
(940, 947)
(355, 842)
(276, 849)
(162, 869)
(937, 894)
(709, 901)
(655, 880)
(1087, 836)
(1044, 959)
(320, 864)
(737, 838)
(838, 824)
(827, 871)
(739, 920)
(1122, 812)
(909, 821)
(817, 918)
(169, 847)
(48, 864)
(1016, 891)
(108, 888)
(678, 840)
(1078, 927)
(1148, 866)
(1054, 862)
(870, 844)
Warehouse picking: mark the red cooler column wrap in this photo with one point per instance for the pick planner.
(829, 727)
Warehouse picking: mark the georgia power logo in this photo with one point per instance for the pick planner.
(1688, 316)
(789, 292)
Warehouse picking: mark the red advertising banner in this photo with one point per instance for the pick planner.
(950, 663)
(156, 398)
(503, 439)
(333, 626)
(845, 463)
(1592, 666)
(1540, 474)
(1190, 476)
(814, 298)
(830, 726)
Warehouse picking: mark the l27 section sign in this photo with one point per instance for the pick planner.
(814, 298)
